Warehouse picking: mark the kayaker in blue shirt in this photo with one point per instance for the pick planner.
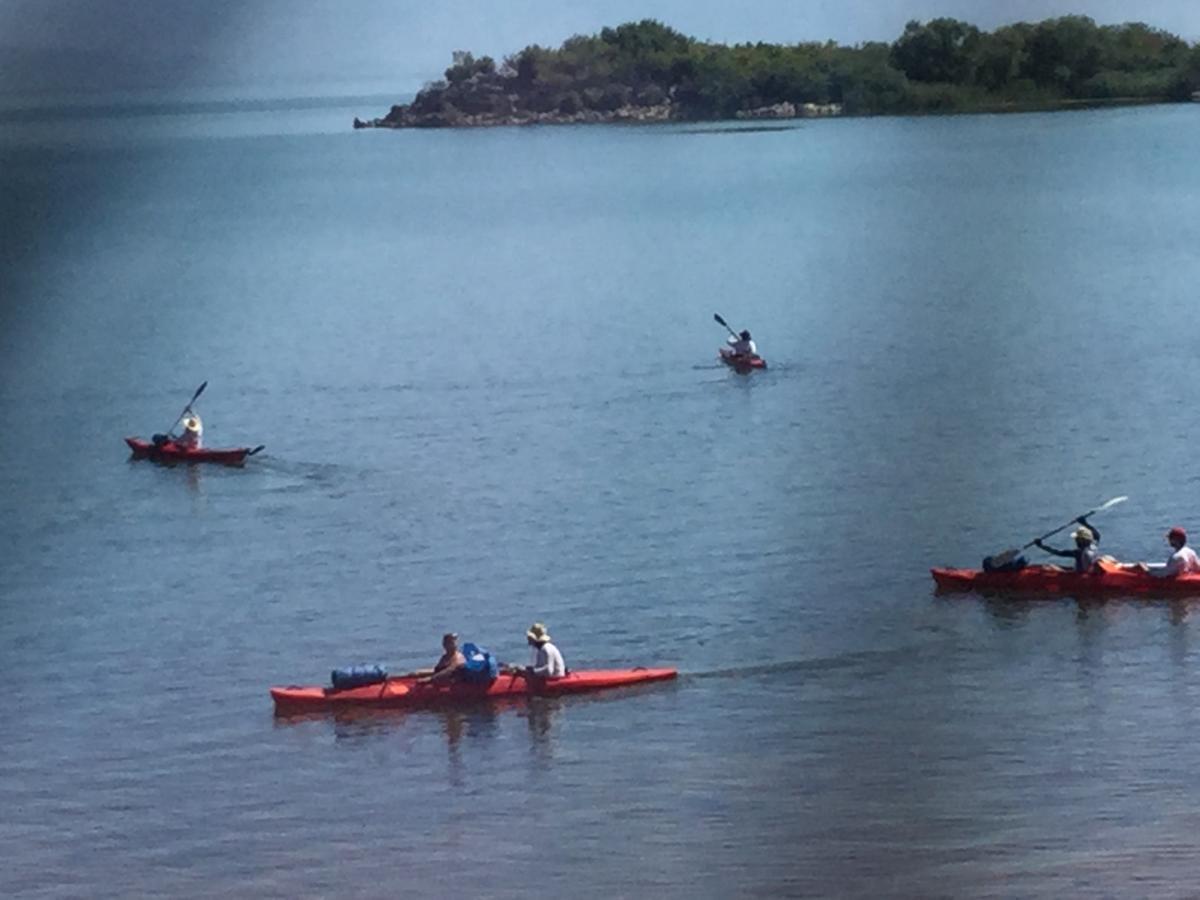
(1085, 554)
(742, 345)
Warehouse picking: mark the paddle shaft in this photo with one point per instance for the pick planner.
(187, 409)
(1091, 512)
(1009, 555)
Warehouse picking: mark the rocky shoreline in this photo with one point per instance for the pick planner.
(447, 116)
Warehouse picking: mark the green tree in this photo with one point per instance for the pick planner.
(938, 51)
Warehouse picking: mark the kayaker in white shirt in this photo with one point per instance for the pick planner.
(193, 433)
(1183, 561)
(546, 661)
(742, 345)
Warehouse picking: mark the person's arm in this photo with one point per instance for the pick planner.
(1069, 554)
(1173, 567)
(449, 670)
(542, 665)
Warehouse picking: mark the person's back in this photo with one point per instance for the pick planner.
(1183, 561)
(547, 660)
(743, 345)
(193, 433)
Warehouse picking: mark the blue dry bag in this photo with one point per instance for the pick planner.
(481, 666)
(357, 676)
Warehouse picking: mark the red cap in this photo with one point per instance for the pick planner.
(1177, 533)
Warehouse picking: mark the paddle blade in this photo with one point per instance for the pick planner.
(717, 318)
(1111, 503)
(199, 391)
(256, 449)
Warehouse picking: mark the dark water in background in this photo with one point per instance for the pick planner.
(483, 366)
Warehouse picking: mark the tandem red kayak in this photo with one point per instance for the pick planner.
(171, 452)
(742, 362)
(407, 691)
(1111, 579)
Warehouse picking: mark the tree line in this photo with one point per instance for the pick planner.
(942, 65)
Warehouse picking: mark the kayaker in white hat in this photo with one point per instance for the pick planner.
(193, 432)
(742, 345)
(1086, 554)
(546, 661)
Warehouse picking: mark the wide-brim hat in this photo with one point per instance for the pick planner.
(192, 423)
(537, 633)
(1083, 533)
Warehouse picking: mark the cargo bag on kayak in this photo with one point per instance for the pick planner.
(481, 667)
(357, 676)
(1014, 565)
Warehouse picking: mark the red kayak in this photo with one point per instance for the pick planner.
(406, 691)
(742, 362)
(1112, 579)
(171, 452)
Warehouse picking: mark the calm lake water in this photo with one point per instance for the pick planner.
(483, 365)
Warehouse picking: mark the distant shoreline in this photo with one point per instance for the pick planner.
(644, 72)
(664, 117)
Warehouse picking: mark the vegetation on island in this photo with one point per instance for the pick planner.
(647, 71)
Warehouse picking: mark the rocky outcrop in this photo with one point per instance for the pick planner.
(506, 112)
(791, 111)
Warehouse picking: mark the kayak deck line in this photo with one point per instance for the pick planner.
(409, 691)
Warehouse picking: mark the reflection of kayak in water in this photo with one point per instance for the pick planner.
(742, 362)
(1111, 579)
(169, 451)
(409, 691)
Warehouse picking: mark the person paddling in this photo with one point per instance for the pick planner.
(1085, 554)
(547, 661)
(451, 663)
(1182, 561)
(193, 432)
(742, 345)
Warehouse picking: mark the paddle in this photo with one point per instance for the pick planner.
(256, 449)
(188, 408)
(1009, 555)
(721, 321)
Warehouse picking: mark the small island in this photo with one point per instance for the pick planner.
(648, 72)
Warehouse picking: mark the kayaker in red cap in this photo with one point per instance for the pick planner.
(742, 345)
(1182, 561)
(547, 661)
(451, 662)
(1085, 554)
